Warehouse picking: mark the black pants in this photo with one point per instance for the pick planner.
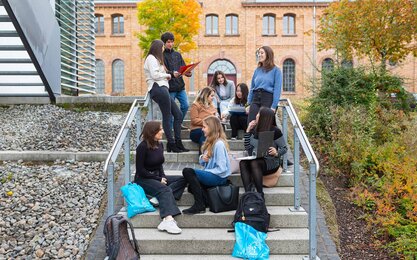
(260, 99)
(238, 122)
(166, 194)
(168, 107)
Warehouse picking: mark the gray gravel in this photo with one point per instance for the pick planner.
(53, 209)
(48, 127)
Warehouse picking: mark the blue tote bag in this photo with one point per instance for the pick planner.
(136, 200)
(250, 243)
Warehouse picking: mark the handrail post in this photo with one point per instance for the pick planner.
(150, 110)
(285, 134)
(138, 126)
(297, 197)
(110, 189)
(127, 157)
(313, 212)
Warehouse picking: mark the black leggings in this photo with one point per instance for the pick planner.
(260, 99)
(251, 171)
(167, 106)
(238, 122)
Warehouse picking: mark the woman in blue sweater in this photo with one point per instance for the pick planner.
(215, 160)
(266, 84)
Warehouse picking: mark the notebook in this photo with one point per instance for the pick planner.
(265, 140)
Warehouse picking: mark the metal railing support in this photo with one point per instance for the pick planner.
(312, 214)
(110, 189)
(285, 134)
(127, 157)
(297, 194)
(138, 121)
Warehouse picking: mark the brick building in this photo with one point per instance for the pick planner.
(228, 39)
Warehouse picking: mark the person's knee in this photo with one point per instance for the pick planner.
(188, 172)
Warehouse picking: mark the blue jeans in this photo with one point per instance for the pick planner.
(209, 179)
(197, 136)
(183, 99)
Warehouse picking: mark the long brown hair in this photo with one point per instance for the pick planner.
(215, 133)
(156, 50)
(150, 129)
(203, 97)
(245, 91)
(214, 82)
(268, 64)
(266, 120)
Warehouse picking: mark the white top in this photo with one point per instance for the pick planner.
(155, 72)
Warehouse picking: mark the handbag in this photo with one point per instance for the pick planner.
(136, 200)
(223, 198)
(234, 162)
(250, 243)
(271, 180)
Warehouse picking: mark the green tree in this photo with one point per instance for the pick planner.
(380, 30)
(181, 17)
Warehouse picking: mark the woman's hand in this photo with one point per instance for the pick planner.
(251, 125)
(168, 76)
(272, 151)
(205, 158)
(247, 110)
(164, 181)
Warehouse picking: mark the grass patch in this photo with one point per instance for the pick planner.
(329, 212)
(102, 107)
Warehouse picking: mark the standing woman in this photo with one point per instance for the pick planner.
(157, 80)
(215, 160)
(266, 83)
(151, 177)
(201, 108)
(252, 171)
(237, 110)
(225, 90)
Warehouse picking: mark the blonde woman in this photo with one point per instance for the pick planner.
(215, 161)
(201, 108)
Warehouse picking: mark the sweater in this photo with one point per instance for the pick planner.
(269, 81)
(219, 163)
(149, 162)
(155, 72)
(173, 61)
(229, 90)
(198, 112)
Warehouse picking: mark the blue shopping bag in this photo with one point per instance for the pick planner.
(136, 200)
(250, 243)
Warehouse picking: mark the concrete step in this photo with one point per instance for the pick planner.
(185, 134)
(276, 196)
(281, 217)
(285, 180)
(213, 257)
(234, 145)
(200, 241)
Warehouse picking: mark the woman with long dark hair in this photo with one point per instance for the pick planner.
(252, 171)
(237, 110)
(151, 177)
(157, 80)
(265, 90)
(225, 90)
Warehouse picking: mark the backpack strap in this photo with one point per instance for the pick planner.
(135, 244)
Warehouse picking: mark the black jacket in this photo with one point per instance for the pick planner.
(173, 61)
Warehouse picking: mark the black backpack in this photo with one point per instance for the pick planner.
(118, 244)
(252, 210)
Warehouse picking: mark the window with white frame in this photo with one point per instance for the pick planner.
(288, 72)
(232, 24)
(212, 24)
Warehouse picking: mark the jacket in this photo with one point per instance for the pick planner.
(173, 61)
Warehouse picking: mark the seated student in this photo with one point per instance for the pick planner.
(252, 171)
(216, 164)
(200, 109)
(225, 90)
(151, 177)
(237, 111)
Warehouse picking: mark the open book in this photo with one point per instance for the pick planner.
(187, 68)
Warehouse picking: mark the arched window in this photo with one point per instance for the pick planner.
(288, 71)
(268, 24)
(118, 24)
(232, 23)
(288, 24)
(118, 75)
(100, 76)
(99, 24)
(212, 24)
(327, 65)
(223, 65)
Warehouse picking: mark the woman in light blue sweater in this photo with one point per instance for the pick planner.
(215, 160)
(265, 89)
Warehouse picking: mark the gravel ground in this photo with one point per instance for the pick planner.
(49, 211)
(49, 127)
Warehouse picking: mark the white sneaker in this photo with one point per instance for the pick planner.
(169, 226)
(233, 138)
(154, 201)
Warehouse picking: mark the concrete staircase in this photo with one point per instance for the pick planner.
(205, 235)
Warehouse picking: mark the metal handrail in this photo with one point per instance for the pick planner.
(300, 138)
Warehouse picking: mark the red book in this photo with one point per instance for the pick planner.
(187, 68)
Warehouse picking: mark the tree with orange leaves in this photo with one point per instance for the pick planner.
(181, 17)
(380, 30)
